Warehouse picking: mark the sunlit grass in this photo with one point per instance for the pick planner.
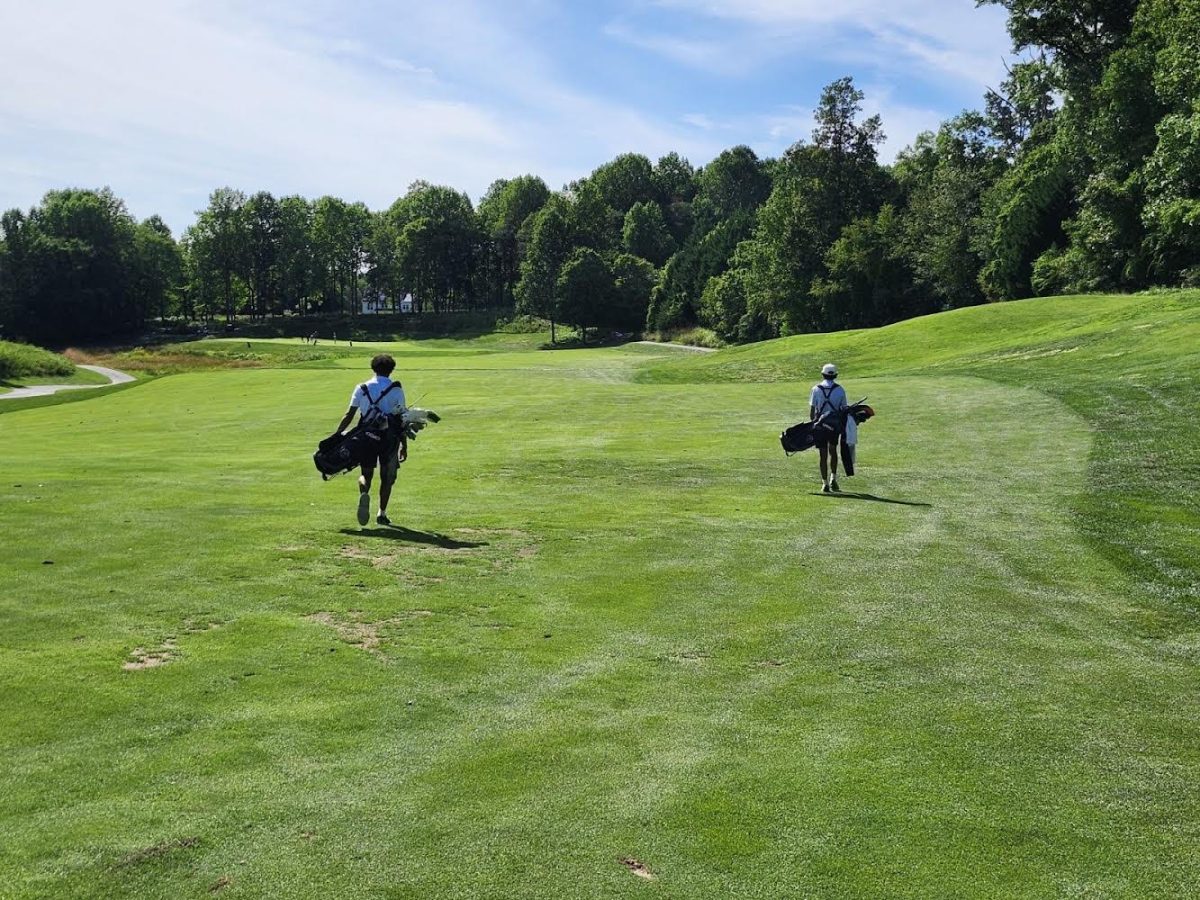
(616, 633)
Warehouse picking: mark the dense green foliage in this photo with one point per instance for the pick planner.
(21, 360)
(80, 267)
(592, 645)
(1081, 172)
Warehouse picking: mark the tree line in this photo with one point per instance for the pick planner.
(1080, 172)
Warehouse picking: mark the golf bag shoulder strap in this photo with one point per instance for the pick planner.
(373, 402)
(826, 393)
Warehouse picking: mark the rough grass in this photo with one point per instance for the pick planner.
(22, 361)
(694, 337)
(618, 645)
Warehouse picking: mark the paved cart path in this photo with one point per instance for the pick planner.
(42, 390)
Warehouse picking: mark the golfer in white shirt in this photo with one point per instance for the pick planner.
(379, 398)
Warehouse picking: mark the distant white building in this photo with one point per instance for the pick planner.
(374, 304)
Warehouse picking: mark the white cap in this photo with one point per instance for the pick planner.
(829, 369)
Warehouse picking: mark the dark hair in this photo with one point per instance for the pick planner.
(383, 364)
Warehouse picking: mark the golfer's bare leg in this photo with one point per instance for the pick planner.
(824, 450)
(364, 480)
(833, 459)
(385, 493)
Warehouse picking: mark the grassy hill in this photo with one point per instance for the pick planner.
(1129, 365)
(618, 644)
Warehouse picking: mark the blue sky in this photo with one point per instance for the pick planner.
(164, 100)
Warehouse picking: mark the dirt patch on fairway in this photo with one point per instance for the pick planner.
(220, 884)
(157, 851)
(637, 867)
(363, 634)
(141, 658)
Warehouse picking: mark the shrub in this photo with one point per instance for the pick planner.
(25, 361)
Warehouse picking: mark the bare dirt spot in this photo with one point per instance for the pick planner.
(769, 664)
(363, 634)
(637, 867)
(220, 884)
(161, 849)
(141, 658)
(386, 560)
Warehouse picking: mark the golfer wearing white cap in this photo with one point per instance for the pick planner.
(828, 397)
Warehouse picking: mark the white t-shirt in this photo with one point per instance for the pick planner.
(836, 397)
(390, 405)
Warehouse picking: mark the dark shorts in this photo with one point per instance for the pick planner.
(828, 432)
(387, 461)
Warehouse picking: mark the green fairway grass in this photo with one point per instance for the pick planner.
(618, 645)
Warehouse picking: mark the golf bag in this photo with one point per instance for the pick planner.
(807, 435)
(342, 452)
(832, 426)
(362, 444)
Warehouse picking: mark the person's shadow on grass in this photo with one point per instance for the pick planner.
(400, 533)
(854, 495)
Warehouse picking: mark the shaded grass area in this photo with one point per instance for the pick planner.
(1130, 365)
(615, 634)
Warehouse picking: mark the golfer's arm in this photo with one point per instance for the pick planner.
(346, 419)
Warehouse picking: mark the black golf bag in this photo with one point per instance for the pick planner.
(807, 435)
(342, 452)
(362, 444)
(829, 427)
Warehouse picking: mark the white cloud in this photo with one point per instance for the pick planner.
(165, 101)
(946, 37)
(711, 56)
